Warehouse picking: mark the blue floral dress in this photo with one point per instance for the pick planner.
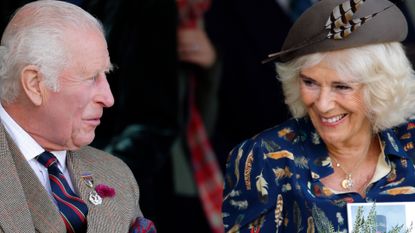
(272, 181)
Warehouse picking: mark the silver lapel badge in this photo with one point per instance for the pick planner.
(95, 198)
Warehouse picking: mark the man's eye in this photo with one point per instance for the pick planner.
(93, 78)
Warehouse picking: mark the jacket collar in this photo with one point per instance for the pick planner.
(44, 213)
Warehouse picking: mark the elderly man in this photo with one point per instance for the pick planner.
(53, 88)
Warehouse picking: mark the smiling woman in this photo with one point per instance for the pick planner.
(382, 69)
(335, 107)
(352, 135)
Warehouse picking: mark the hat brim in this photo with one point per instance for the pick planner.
(308, 34)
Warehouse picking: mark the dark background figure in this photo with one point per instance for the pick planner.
(250, 97)
(146, 118)
(150, 115)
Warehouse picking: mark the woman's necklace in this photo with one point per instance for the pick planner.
(347, 182)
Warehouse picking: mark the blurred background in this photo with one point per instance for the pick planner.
(189, 86)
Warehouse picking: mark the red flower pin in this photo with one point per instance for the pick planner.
(105, 191)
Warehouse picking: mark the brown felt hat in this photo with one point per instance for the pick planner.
(331, 25)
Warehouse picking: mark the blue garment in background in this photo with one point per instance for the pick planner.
(294, 8)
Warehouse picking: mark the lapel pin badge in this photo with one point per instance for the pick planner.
(88, 179)
(95, 198)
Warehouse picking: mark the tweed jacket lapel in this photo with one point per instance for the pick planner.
(14, 211)
(45, 215)
(103, 218)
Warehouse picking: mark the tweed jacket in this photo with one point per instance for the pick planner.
(26, 207)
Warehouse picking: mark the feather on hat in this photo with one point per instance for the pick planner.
(338, 24)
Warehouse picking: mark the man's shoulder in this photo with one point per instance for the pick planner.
(92, 151)
(97, 157)
(102, 164)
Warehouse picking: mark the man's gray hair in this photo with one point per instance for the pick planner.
(36, 36)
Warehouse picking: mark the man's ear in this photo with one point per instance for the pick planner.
(30, 78)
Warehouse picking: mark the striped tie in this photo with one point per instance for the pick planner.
(73, 209)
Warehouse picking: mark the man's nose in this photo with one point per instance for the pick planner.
(105, 96)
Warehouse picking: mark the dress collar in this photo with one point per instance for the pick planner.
(316, 151)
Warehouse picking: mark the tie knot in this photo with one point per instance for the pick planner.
(47, 159)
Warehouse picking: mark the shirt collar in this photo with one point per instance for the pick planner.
(26, 144)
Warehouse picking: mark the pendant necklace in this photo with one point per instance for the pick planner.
(347, 182)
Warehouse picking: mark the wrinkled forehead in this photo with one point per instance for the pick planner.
(87, 51)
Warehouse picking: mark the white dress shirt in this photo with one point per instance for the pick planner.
(30, 149)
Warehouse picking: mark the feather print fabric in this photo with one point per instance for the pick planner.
(273, 181)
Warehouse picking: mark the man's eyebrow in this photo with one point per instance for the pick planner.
(110, 68)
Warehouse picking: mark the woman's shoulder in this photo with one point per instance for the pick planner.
(291, 125)
(280, 137)
(405, 134)
(280, 144)
(251, 171)
(274, 147)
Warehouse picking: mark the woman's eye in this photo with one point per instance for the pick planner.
(342, 87)
(308, 82)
